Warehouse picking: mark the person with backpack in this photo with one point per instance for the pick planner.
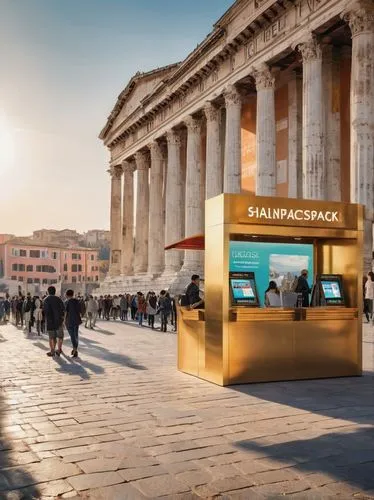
(54, 316)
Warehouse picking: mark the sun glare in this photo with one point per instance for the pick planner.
(7, 146)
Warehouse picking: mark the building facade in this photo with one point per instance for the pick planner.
(278, 100)
(37, 265)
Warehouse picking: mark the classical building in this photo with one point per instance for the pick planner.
(278, 100)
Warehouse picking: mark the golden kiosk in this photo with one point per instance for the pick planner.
(250, 240)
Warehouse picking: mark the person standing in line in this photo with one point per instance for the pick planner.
(72, 320)
(94, 314)
(174, 312)
(7, 307)
(38, 314)
(369, 296)
(123, 307)
(134, 306)
(142, 306)
(107, 307)
(91, 312)
(54, 316)
(100, 306)
(19, 317)
(151, 309)
(27, 305)
(164, 306)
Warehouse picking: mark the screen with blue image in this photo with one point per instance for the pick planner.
(279, 262)
(331, 290)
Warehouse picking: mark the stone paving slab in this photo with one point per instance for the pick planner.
(121, 422)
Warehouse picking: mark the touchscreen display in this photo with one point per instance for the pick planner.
(242, 289)
(331, 290)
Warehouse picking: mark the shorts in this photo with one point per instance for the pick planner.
(56, 334)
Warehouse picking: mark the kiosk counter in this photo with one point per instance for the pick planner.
(250, 241)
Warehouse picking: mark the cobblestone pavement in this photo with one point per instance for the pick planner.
(122, 423)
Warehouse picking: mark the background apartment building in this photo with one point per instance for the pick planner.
(36, 265)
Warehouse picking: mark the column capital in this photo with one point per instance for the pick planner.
(263, 77)
(232, 96)
(173, 138)
(128, 167)
(115, 171)
(156, 150)
(310, 49)
(192, 124)
(141, 160)
(360, 16)
(212, 113)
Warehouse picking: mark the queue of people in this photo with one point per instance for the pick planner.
(140, 308)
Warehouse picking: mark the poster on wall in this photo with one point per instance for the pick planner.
(279, 262)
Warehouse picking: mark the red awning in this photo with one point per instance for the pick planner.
(192, 243)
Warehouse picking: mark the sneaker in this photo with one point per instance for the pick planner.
(51, 354)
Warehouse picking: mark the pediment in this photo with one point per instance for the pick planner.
(140, 86)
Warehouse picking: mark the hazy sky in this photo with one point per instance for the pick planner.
(62, 65)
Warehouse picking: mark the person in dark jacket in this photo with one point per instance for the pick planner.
(73, 320)
(303, 288)
(54, 316)
(193, 293)
(164, 307)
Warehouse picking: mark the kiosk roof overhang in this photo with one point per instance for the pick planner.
(196, 242)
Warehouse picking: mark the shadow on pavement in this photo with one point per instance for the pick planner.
(12, 476)
(94, 349)
(346, 457)
(77, 366)
(104, 332)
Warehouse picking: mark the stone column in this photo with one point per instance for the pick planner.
(128, 219)
(331, 91)
(142, 213)
(214, 173)
(156, 216)
(361, 22)
(174, 227)
(295, 135)
(233, 160)
(314, 169)
(194, 210)
(266, 171)
(115, 221)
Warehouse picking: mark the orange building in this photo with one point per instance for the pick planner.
(42, 264)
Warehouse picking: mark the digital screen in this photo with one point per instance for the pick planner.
(331, 290)
(242, 289)
(279, 262)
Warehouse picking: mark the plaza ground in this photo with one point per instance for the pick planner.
(123, 423)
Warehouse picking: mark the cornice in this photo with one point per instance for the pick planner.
(179, 87)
